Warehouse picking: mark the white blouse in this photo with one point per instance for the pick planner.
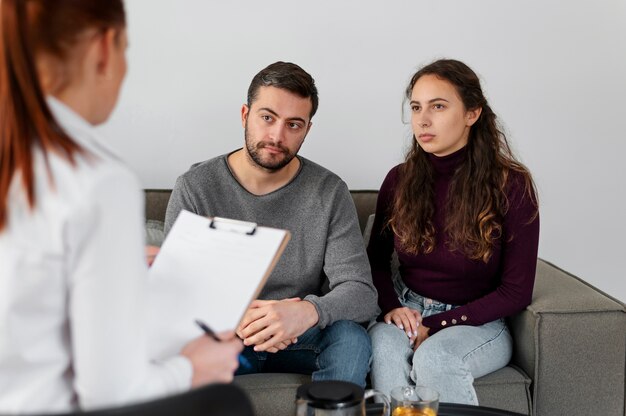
(72, 285)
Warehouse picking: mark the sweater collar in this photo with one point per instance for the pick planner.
(446, 165)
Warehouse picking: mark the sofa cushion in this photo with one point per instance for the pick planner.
(272, 394)
(154, 233)
(507, 388)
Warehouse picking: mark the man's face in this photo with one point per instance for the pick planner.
(275, 127)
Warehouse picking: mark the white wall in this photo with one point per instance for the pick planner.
(554, 71)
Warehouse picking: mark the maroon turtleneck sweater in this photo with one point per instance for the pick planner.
(485, 291)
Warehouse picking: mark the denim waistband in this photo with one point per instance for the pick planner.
(426, 306)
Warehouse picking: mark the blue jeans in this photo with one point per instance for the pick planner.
(447, 361)
(340, 351)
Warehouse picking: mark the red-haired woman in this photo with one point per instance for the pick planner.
(72, 270)
(462, 216)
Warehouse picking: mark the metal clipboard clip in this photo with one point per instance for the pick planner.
(226, 224)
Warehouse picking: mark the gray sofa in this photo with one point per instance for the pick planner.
(570, 345)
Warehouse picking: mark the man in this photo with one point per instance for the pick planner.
(295, 325)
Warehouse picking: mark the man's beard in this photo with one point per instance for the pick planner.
(271, 164)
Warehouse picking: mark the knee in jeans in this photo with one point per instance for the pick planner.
(428, 362)
(391, 357)
(353, 335)
(386, 339)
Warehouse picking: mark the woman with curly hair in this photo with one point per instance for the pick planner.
(462, 215)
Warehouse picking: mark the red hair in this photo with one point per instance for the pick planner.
(29, 28)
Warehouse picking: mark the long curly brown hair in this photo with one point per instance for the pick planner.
(477, 201)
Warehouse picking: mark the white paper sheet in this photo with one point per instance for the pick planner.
(208, 274)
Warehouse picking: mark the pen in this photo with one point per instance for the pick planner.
(243, 361)
(207, 330)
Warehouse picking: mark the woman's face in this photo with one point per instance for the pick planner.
(440, 122)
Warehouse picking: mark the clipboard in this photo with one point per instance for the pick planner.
(209, 269)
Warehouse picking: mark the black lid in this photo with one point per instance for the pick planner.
(330, 394)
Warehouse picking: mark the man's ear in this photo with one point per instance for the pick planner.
(471, 116)
(245, 110)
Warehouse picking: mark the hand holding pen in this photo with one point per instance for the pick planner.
(209, 332)
(213, 360)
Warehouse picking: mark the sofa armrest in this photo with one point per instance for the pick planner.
(571, 341)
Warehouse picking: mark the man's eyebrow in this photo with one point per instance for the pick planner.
(297, 119)
(269, 110)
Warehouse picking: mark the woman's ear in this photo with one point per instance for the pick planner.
(471, 116)
(105, 42)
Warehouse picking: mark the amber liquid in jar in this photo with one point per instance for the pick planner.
(413, 411)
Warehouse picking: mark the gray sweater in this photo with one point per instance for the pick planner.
(326, 241)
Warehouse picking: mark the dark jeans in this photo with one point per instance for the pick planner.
(341, 351)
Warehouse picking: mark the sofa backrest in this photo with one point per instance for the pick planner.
(156, 204)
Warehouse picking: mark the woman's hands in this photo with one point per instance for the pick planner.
(422, 334)
(212, 361)
(410, 321)
(407, 319)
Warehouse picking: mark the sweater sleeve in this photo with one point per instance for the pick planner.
(381, 245)
(352, 295)
(518, 263)
(179, 199)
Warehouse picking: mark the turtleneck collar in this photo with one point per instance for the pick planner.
(446, 165)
